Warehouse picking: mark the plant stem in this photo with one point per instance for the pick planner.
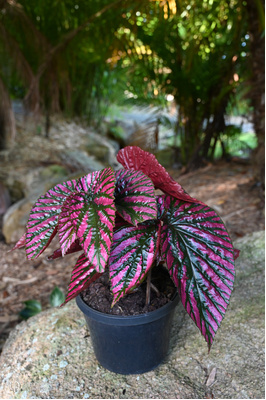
(148, 288)
(154, 288)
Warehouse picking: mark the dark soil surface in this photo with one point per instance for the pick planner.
(99, 297)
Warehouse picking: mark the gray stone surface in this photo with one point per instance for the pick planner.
(36, 183)
(102, 148)
(81, 161)
(15, 220)
(50, 355)
(36, 165)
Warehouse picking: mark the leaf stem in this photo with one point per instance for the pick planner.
(154, 288)
(148, 289)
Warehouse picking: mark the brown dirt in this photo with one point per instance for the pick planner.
(227, 187)
(99, 297)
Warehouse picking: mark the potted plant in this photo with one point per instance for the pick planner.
(126, 230)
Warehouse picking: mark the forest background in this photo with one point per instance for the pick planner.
(204, 58)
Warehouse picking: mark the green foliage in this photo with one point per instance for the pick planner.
(33, 307)
(239, 103)
(83, 57)
(55, 51)
(199, 63)
(239, 145)
(57, 297)
(117, 132)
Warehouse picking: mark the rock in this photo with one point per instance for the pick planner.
(14, 186)
(15, 220)
(77, 160)
(4, 198)
(36, 183)
(102, 149)
(39, 180)
(50, 355)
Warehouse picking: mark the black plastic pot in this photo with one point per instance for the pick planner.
(130, 344)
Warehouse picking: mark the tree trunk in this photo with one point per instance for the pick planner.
(7, 119)
(47, 124)
(213, 130)
(255, 15)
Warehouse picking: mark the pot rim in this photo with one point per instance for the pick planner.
(127, 319)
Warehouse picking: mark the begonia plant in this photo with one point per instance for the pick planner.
(119, 224)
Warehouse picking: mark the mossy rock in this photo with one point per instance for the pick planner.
(51, 355)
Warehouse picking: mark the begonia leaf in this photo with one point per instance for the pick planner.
(200, 259)
(236, 253)
(89, 215)
(21, 243)
(133, 157)
(43, 219)
(134, 196)
(66, 227)
(132, 254)
(82, 276)
(58, 252)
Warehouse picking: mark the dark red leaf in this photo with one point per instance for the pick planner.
(236, 253)
(58, 253)
(135, 158)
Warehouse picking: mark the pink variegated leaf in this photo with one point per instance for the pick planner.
(66, 227)
(99, 185)
(58, 252)
(133, 157)
(134, 196)
(120, 222)
(43, 219)
(82, 276)
(21, 243)
(200, 259)
(91, 213)
(236, 253)
(132, 254)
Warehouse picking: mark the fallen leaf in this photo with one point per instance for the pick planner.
(51, 272)
(211, 377)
